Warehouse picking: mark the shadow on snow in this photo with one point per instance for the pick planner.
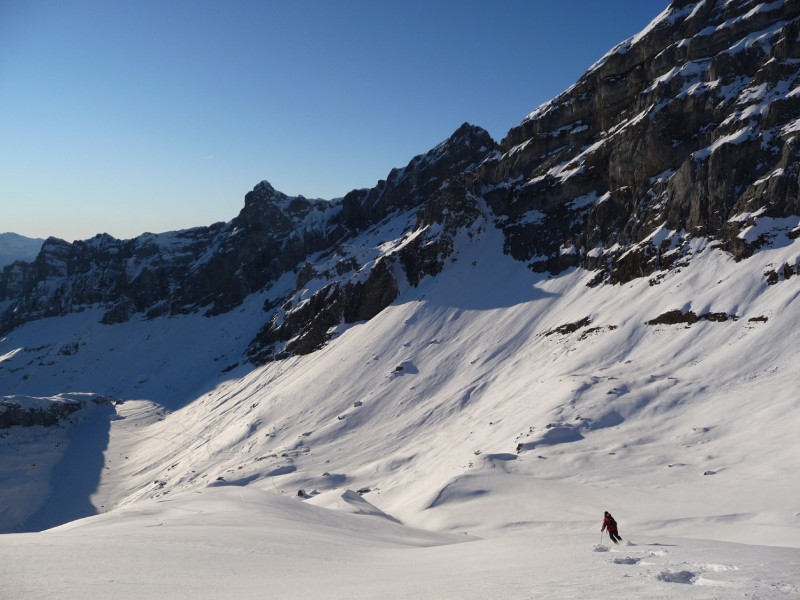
(76, 477)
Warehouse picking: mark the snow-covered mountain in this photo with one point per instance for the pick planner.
(15, 247)
(427, 388)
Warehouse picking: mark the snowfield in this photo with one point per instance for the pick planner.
(463, 443)
(238, 542)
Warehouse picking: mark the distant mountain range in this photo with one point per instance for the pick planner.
(15, 247)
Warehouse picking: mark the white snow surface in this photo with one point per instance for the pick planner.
(459, 444)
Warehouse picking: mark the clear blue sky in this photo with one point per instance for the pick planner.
(150, 115)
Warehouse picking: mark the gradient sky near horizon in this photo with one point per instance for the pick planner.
(153, 115)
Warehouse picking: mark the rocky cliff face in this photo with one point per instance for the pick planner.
(687, 131)
(399, 231)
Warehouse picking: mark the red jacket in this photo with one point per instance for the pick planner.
(610, 523)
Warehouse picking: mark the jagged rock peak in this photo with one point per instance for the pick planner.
(268, 208)
(412, 185)
(264, 192)
(466, 146)
(471, 135)
(466, 142)
(264, 186)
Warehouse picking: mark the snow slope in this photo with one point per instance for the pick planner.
(242, 543)
(489, 401)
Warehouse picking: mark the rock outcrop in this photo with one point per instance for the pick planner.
(25, 411)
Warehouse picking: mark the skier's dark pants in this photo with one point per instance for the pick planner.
(614, 536)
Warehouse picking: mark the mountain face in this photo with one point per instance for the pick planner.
(15, 247)
(686, 131)
(213, 269)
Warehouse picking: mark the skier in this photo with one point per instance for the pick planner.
(611, 524)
